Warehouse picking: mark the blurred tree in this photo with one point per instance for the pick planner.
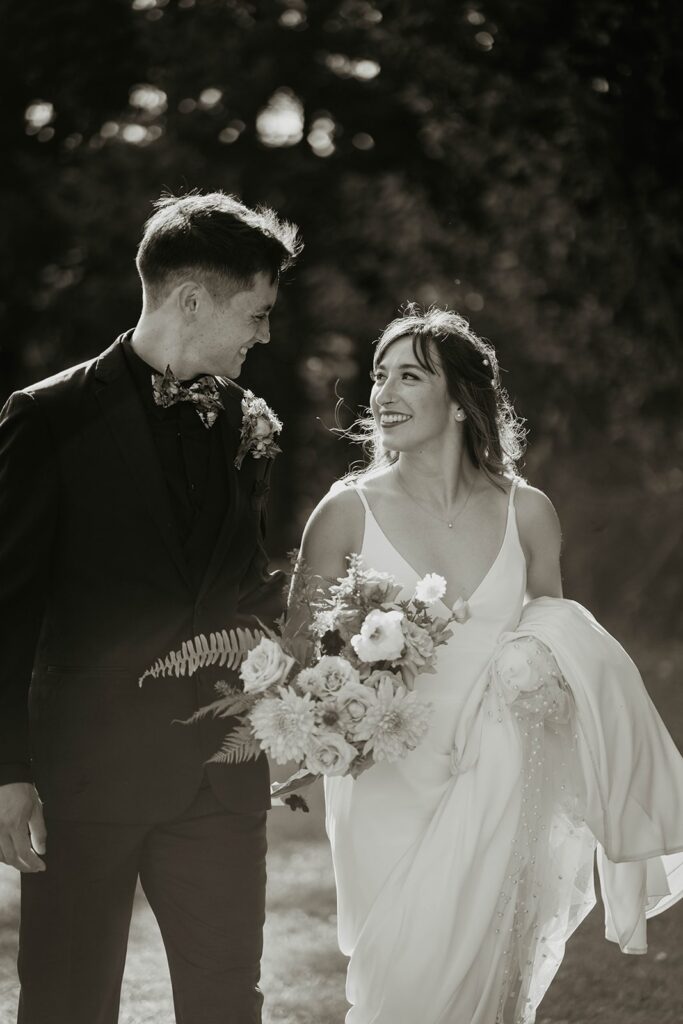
(514, 159)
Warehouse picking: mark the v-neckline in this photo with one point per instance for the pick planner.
(420, 576)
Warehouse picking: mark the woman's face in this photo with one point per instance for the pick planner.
(410, 405)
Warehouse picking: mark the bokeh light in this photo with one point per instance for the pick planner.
(281, 122)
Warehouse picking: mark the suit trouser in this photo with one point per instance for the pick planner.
(204, 877)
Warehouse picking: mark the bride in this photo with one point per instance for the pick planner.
(462, 870)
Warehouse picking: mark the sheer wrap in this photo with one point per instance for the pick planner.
(630, 783)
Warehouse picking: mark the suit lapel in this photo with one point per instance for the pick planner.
(123, 411)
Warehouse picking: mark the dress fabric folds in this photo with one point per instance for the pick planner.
(463, 869)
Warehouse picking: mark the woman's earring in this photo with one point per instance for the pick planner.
(460, 415)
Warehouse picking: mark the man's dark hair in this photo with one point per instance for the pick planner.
(214, 233)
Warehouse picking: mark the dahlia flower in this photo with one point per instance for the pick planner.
(284, 725)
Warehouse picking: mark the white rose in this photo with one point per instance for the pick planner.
(355, 699)
(378, 587)
(353, 702)
(430, 588)
(265, 666)
(329, 754)
(420, 643)
(381, 637)
(335, 673)
(263, 428)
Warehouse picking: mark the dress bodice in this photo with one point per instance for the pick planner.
(496, 604)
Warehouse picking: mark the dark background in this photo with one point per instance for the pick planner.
(518, 160)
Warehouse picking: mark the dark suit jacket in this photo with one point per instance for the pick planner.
(94, 587)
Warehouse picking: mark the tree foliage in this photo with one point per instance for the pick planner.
(515, 159)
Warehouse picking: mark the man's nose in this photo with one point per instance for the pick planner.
(263, 334)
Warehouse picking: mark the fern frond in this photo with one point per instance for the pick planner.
(239, 746)
(226, 648)
(232, 702)
(236, 704)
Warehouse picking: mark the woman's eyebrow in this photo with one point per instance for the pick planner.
(401, 366)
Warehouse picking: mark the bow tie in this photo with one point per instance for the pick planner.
(203, 393)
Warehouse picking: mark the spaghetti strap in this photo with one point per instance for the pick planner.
(354, 487)
(512, 512)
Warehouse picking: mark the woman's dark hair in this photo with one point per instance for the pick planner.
(494, 435)
(214, 233)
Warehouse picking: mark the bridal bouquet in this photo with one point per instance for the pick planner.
(337, 695)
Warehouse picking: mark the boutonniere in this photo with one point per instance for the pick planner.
(260, 427)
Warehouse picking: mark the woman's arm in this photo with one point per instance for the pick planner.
(541, 539)
(333, 531)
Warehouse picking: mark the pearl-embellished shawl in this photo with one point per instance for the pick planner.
(632, 772)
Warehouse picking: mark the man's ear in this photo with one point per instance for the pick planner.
(191, 296)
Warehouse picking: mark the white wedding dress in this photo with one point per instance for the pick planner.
(462, 869)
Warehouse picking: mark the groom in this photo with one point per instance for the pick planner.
(126, 528)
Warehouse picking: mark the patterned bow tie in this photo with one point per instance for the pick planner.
(203, 393)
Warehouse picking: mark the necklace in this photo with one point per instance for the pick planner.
(448, 522)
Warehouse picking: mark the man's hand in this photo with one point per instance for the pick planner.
(22, 827)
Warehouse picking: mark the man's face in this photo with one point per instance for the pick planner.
(231, 326)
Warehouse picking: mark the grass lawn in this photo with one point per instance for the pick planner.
(303, 972)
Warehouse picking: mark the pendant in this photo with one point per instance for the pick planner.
(450, 526)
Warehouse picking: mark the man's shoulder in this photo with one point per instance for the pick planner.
(61, 381)
(70, 380)
(51, 393)
(46, 401)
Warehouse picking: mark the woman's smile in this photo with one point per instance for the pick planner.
(393, 419)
